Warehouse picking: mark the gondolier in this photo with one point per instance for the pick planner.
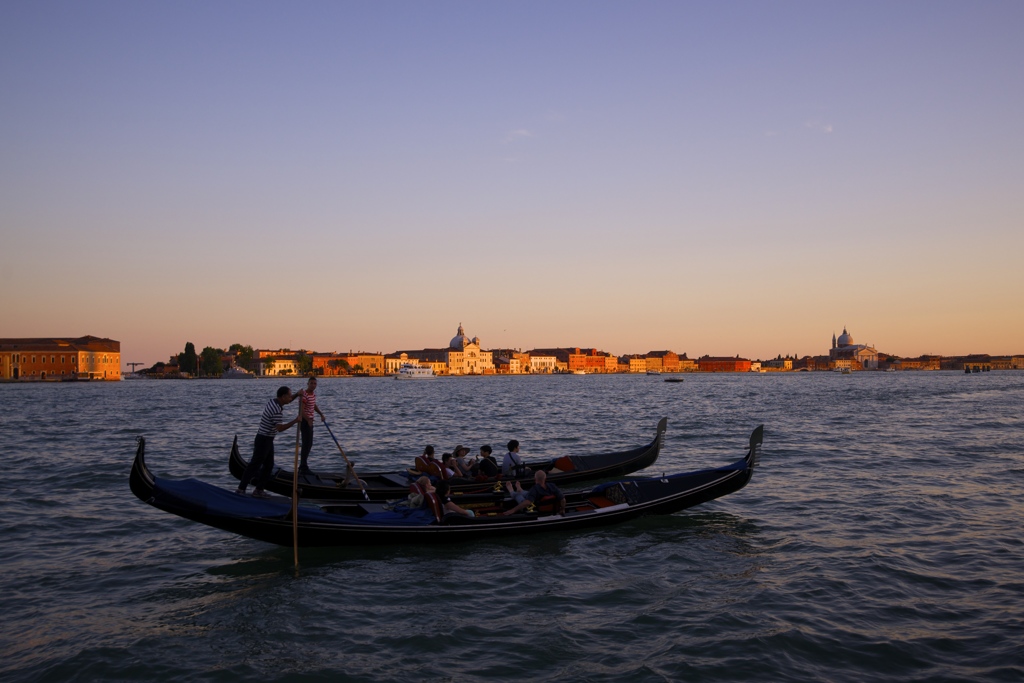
(307, 407)
(262, 463)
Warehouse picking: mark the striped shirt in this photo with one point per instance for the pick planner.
(308, 405)
(272, 416)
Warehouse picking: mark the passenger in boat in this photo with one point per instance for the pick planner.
(541, 493)
(513, 465)
(465, 464)
(487, 466)
(307, 407)
(450, 470)
(262, 462)
(443, 494)
(418, 491)
(427, 463)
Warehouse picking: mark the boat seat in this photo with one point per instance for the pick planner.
(396, 479)
(601, 501)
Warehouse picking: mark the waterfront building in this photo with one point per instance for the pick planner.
(845, 348)
(666, 361)
(463, 356)
(723, 364)
(779, 364)
(542, 363)
(637, 363)
(510, 361)
(43, 358)
(271, 365)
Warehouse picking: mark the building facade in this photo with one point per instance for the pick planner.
(463, 356)
(844, 348)
(47, 358)
(723, 364)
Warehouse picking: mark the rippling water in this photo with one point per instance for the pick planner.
(880, 539)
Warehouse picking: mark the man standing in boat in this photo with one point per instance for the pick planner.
(307, 406)
(262, 463)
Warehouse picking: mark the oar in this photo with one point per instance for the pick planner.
(295, 491)
(347, 461)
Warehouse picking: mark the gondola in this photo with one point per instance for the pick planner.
(390, 485)
(334, 523)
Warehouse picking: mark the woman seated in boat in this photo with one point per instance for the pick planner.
(418, 492)
(450, 470)
(443, 495)
(542, 494)
(427, 464)
(466, 465)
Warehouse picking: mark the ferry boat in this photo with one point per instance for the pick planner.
(413, 371)
(237, 373)
(579, 372)
(654, 372)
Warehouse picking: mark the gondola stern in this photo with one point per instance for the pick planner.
(236, 463)
(754, 453)
(141, 480)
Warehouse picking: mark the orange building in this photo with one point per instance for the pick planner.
(666, 361)
(719, 364)
(60, 358)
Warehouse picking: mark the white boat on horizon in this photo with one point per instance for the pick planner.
(413, 371)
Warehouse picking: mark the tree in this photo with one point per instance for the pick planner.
(243, 355)
(268, 366)
(211, 361)
(305, 363)
(187, 360)
(340, 363)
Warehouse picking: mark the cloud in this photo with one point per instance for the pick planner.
(518, 134)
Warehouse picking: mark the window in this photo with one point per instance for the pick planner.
(33, 360)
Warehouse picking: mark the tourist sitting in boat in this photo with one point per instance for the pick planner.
(487, 466)
(418, 491)
(541, 494)
(427, 464)
(450, 470)
(466, 465)
(513, 465)
(443, 491)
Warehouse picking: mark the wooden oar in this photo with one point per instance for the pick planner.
(295, 490)
(348, 462)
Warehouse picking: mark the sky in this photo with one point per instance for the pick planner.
(711, 178)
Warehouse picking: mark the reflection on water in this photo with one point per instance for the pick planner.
(880, 539)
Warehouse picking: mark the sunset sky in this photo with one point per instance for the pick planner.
(720, 178)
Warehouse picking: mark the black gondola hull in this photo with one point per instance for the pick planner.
(270, 521)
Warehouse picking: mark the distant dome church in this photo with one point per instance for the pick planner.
(462, 357)
(844, 349)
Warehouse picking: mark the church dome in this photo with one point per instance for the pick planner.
(845, 339)
(460, 340)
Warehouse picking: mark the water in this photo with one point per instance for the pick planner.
(879, 540)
